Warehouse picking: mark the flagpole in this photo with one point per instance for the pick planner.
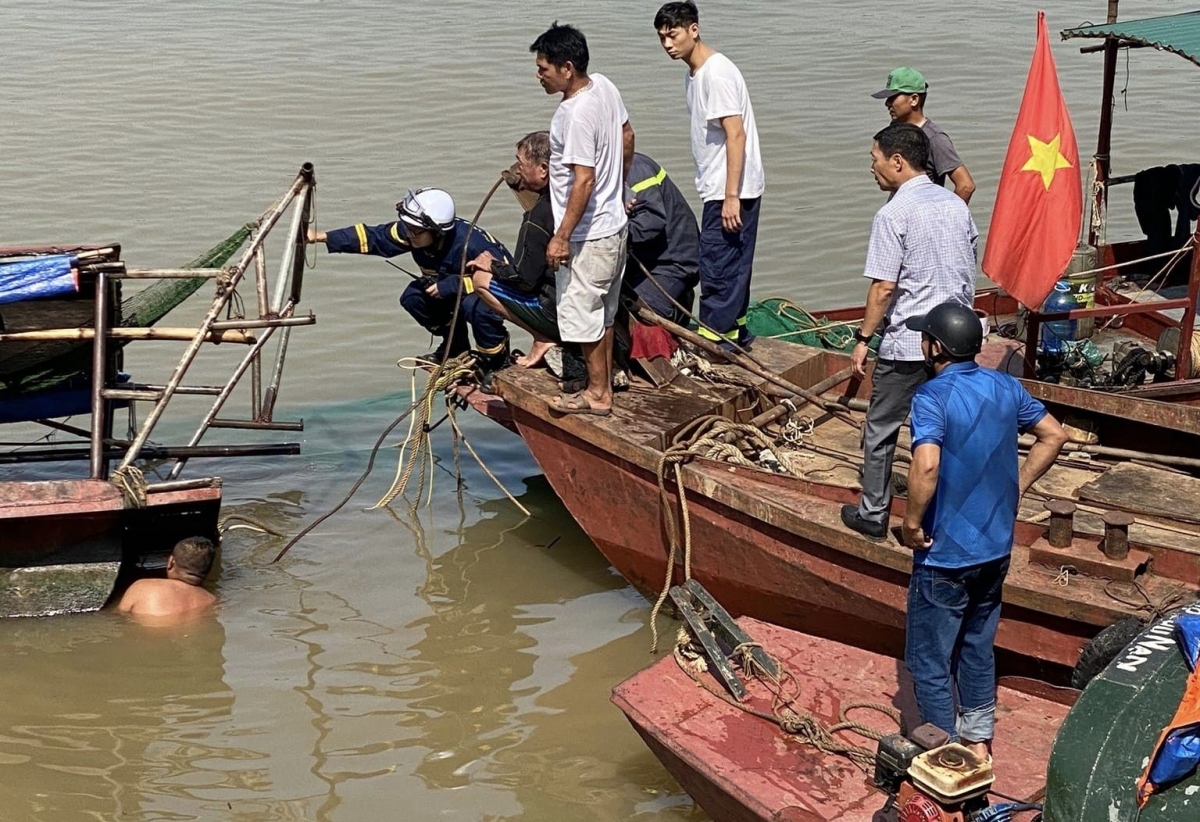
(1102, 159)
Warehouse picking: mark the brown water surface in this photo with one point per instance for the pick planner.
(455, 664)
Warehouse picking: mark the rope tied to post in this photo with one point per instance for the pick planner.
(133, 485)
(784, 691)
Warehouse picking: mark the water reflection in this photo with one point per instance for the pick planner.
(116, 720)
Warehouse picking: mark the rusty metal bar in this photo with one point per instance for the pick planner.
(299, 210)
(154, 452)
(97, 464)
(1116, 533)
(257, 425)
(214, 311)
(1187, 325)
(272, 393)
(148, 333)
(183, 485)
(1115, 310)
(1062, 523)
(185, 390)
(148, 395)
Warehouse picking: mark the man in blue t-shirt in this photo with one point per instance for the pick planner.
(964, 486)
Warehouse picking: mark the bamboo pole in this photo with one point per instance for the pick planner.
(132, 333)
(166, 273)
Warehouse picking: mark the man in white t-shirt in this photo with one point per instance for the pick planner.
(591, 146)
(729, 173)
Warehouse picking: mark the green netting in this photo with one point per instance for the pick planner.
(784, 320)
(53, 363)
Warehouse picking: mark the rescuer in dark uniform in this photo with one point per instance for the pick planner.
(664, 237)
(428, 229)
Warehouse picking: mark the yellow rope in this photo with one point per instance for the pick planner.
(785, 690)
(449, 374)
(132, 483)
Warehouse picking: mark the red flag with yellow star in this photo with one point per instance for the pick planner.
(1039, 204)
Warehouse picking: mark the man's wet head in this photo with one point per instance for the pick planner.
(191, 560)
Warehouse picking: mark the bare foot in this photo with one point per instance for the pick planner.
(980, 749)
(537, 352)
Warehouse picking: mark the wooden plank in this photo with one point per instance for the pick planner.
(1145, 490)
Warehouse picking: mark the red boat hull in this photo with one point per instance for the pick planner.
(740, 768)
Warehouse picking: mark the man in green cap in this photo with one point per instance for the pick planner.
(904, 96)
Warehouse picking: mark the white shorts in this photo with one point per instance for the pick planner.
(588, 288)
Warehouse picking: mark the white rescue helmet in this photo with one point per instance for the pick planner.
(429, 208)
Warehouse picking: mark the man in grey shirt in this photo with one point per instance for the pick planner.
(905, 96)
(922, 253)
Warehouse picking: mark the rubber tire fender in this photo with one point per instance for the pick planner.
(1103, 649)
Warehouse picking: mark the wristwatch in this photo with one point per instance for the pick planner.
(865, 339)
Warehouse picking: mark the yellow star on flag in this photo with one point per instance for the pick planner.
(1045, 158)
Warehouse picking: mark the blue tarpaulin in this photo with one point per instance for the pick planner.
(1178, 750)
(40, 277)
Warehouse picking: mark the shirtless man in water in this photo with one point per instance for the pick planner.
(181, 592)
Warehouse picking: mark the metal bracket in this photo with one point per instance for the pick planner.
(718, 635)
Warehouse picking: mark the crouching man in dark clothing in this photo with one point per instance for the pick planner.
(663, 237)
(522, 290)
(964, 487)
(438, 241)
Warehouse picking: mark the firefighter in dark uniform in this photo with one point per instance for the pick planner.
(428, 229)
(664, 237)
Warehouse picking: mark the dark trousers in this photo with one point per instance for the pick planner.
(893, 386)
(726, 261)
(434, 313)
(950, 646)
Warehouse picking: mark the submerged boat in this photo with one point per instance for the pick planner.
(1058, 756)
(63, 325)
(763, 493)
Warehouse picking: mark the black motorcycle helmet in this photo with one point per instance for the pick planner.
(955, 326)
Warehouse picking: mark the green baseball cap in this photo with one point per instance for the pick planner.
(903, 80)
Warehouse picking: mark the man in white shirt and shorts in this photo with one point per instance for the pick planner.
(729, 173)
(591, 145)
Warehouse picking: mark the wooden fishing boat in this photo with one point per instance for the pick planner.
(768, 541)
(1079, 755)
(68, 540)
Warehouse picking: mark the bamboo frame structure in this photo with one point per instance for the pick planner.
(214, 328)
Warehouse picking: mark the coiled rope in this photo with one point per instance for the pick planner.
(785, 690)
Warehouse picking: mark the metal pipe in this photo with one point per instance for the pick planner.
(154, 452)
(257, 425)
(289, 250)
(221, 399)
(214, 311)
(185, 390)
(1116, 533)
(183, 485)
(260, 283)
(131, 394)
(1062, 523)
(1102, 159)
(272, 393)
(97, 464)
(256, 388)
(128, 333)
(270, 322)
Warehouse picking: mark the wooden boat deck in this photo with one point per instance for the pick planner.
(740, 768)
(773, 546)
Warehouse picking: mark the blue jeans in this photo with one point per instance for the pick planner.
(953, 614)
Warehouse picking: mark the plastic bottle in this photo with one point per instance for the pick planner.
(1057, 332)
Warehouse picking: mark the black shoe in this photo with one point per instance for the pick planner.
(874, 531)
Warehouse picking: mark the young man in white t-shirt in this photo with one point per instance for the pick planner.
(591, 145)
(729, 173)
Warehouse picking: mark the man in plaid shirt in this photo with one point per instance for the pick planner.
(922, 253)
